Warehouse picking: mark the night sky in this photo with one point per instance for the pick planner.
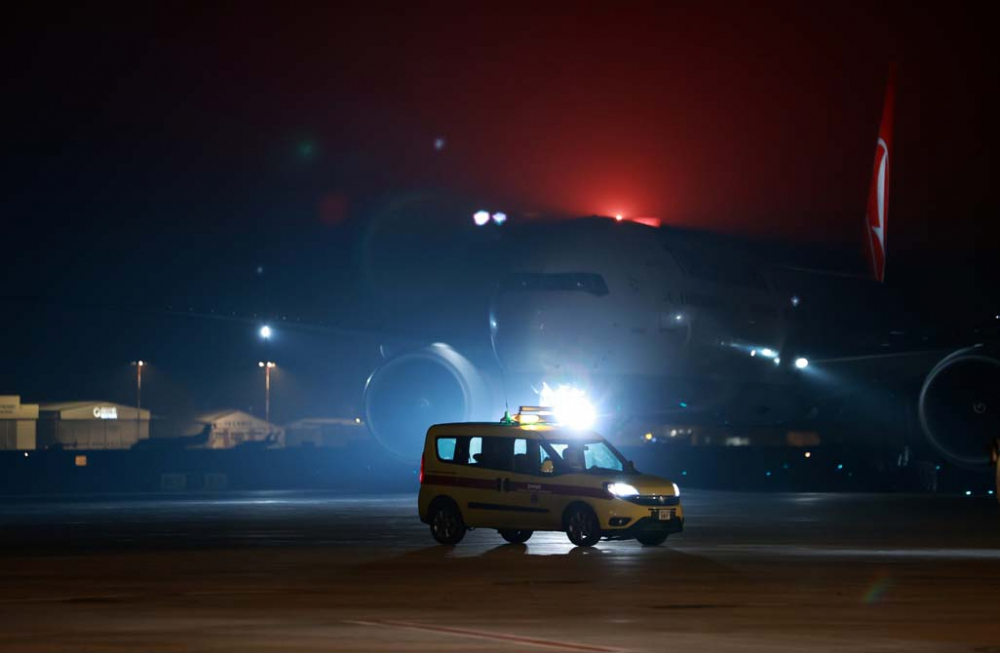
(181, 153)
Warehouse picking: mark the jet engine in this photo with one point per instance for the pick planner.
(960, 406)
(413, 390)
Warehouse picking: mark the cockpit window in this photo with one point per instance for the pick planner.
(587, 282)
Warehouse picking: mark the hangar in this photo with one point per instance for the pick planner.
(17, 424)
(231, 428)
(91, 425)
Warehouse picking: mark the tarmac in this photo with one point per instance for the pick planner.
(293, 571)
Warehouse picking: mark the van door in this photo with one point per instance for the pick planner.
(486, 462)
(524, 493)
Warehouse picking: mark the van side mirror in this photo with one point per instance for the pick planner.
(629, 466)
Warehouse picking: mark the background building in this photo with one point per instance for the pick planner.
(91, 425)
(232, 428)
(17, 424)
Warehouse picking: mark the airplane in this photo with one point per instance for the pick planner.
(689, 328)
(633, 323)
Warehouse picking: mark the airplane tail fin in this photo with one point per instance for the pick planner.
(878, 192)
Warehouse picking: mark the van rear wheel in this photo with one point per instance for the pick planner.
(447, 525)
(515, 537)
(582, 527)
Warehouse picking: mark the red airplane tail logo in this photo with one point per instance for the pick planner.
(878, 193)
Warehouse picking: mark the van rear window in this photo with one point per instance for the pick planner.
(446, 449)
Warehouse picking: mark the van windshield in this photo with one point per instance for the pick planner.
(572, 455)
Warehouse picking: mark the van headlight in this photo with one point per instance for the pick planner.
(677, 490)
(621, 489)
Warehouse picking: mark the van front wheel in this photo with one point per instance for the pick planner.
(582, 527)
(447, 525)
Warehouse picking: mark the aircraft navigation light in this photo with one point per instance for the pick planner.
(499, 217)
(801, 362)
(481, 218)
(777, 361)
(265, 332)
(618, 217)
(796, 301)
(768, 353)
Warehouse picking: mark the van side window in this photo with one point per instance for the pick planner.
(475, 451)
(527, 456)
(504, 454)
(497, 453)
(446, 449)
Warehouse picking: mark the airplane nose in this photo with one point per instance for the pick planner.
(545, 332)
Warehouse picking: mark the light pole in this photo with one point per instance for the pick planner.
(268, 366)
(138, 397)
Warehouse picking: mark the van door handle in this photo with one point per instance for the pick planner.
(499, 485)
(506, 485)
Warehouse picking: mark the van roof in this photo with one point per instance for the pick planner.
(514, 430)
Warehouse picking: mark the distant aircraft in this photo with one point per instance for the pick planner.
(691, 328)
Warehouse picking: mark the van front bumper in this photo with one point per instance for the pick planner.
(645, 524)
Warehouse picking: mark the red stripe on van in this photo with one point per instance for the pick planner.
(491, 484)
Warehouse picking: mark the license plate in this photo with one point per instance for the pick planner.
(664, 515)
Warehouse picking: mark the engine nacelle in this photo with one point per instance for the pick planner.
(960, 406)
(431, 385)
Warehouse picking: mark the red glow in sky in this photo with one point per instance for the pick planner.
(748, 118)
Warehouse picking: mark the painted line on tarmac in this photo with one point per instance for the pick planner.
(496, 637)
(77, 598)
(846, 552)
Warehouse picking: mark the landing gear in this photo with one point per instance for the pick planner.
(995, 457)
(651, 538)
(917, 475)
(515, 537)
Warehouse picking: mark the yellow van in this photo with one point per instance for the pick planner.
(525, 475)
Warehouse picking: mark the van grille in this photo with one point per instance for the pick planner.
(655, 500)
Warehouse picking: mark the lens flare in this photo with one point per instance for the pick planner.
(569, 405)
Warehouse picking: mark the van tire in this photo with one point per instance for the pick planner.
(445, 519)
(582, 527)
(515, 536)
